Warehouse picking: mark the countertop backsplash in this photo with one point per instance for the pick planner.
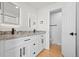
(8, 35)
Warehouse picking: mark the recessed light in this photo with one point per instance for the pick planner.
(16, 7)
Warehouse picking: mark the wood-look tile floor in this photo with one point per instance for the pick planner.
(54, 51)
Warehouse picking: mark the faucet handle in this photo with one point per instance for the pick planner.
(13, 31)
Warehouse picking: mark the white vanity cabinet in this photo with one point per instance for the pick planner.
(29, 46)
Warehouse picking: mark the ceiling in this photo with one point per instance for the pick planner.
(39, 4)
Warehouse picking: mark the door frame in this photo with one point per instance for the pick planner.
(59, 9)
(76, 31)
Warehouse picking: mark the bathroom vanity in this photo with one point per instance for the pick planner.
(22, 45)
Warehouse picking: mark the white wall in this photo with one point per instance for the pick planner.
(43, 14)
(25, 12)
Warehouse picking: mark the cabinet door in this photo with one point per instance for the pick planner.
(2, 47)
(15, 52)
(26, 47)
(20, 51)
(26, 51)
(39, 44)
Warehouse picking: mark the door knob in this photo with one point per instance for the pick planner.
(73, 33)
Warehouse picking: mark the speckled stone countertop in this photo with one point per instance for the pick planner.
(19, 34)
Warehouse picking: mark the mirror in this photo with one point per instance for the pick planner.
(11, 13)
(1, 16)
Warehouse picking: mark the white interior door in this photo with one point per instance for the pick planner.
(69, 26)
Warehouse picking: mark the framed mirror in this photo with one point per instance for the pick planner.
(11, 13)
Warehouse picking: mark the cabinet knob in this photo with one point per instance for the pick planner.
(34, 44)
(34, 53)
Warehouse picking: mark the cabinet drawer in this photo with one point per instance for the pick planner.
(9, 44)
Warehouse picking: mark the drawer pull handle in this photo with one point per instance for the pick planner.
(20, 52)
(42, 41)
(27, 40)
(24, 51)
